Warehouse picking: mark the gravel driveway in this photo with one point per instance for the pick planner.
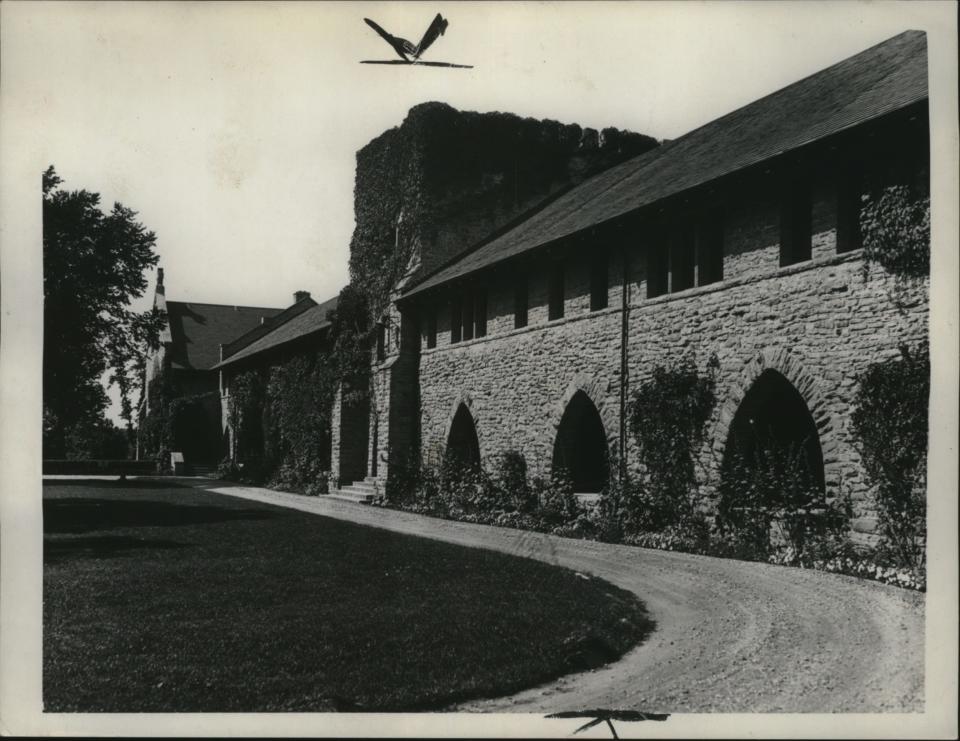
(731, 636)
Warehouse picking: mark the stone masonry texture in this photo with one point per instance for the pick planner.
(819, 323)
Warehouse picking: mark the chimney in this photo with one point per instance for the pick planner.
(300, 296)
(160, 288)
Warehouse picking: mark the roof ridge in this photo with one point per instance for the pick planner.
(225, 306)
(274, 322)
(248, 351)
(873, 83)
(794, 84)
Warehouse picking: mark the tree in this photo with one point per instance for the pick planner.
(93, 266)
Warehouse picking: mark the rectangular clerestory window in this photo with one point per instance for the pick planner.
(848, 213)
(466, 313)
(555, 290)
(682, 258)
(456, 317)
(599, 282)
(685, 254)
(658, 267)
(480, 312)
(521, 300)
(710, 249)
(796, 223)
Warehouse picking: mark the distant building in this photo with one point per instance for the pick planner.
(298, 330)
(189, 349)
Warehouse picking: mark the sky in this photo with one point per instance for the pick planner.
(232, 128)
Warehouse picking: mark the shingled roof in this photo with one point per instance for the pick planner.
(309, 322)
(881, 80)
(198, 330)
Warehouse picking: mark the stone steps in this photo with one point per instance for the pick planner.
(360, 492)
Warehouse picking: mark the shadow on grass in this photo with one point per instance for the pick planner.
(100, 546)
(82, 515)
(117, 483)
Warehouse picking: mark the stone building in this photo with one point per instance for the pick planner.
(185, 364)
(299, 330)
(738, 240)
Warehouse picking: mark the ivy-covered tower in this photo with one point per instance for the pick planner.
(426, 192)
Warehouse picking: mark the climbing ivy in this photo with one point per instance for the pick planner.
(155, 434)
(281, 413)
(668, 416)
(895, 227)
(890, 421)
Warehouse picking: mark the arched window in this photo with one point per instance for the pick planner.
(462, 445)
(581, 446)
(773, 427)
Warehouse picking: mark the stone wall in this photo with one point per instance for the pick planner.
(819, 323)
(348, 439)
(436, 184)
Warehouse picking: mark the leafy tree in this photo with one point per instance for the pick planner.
(94, 265)
(100, 440)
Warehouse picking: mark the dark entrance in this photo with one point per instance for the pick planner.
(581, 446)
(463, 448)
(196, 430)
(773, 419)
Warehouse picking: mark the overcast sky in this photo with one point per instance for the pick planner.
(232, 128)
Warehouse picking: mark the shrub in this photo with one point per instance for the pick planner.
(320, 485)
(690, 537)
(771, 499)
(890, 421)
(227, 470)
(556, 502)
(511, 477)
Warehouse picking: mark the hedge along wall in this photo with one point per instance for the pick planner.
(820, 324)
(431, 188)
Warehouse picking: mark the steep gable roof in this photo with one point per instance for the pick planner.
(198, 330)
(885, 78)
(307, 323)
(248, 338)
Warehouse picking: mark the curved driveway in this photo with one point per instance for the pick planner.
(731, 636)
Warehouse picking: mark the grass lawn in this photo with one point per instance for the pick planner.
(163, 598)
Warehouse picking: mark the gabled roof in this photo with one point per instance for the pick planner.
(248, 338)
(885, 78)
(307, 323)
(198, 330)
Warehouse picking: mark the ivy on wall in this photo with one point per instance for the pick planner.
(155, 433)
(895, 229)
(668, 416)
(281, 412)
(890, 421)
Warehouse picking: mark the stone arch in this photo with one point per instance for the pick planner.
(778, 372)
(462, 442)
(581, 432)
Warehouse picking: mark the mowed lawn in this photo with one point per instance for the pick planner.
(164, 598)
